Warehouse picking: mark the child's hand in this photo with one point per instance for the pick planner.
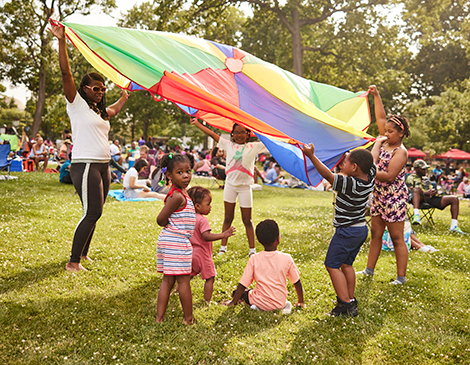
(229, 232)
(194, 120)
(146, 189)
(298, 304)
(380, 139)
(309, 150)
(373, 90)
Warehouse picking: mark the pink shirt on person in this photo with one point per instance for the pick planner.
(202, 250)
(269, 269)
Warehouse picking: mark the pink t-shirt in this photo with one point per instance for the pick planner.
(269, 269)
(202, 250)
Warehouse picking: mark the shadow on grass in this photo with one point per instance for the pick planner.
(29, 276)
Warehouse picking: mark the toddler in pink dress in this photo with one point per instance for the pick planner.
(202, 238)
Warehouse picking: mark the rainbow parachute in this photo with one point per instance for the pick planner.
(223, 85)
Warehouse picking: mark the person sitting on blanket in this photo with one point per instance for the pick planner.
(131, 189)
(274, 174)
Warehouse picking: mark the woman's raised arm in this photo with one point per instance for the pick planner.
(67, 79)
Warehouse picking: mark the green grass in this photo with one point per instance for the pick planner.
(107, 315)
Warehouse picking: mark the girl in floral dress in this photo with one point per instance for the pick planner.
(390, 197)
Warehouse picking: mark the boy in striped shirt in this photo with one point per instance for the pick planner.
(353, 189)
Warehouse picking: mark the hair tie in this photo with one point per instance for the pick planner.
(164, 170)
(170, 156)
(161, 183)
(397, 122)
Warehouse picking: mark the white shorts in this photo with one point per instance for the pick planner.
(245, 196)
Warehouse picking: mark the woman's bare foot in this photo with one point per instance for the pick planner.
(74, 267)
(86, 258)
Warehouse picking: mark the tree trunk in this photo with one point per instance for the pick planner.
(40, 102)
(297, 51)
(146, 128)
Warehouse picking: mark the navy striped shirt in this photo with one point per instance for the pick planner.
(352, 198)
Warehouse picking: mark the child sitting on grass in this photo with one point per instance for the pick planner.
(270, 269)
(351, 230)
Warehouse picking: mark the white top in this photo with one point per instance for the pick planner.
(132, 172)
(113, 149)
(89, 132)
(240, 160)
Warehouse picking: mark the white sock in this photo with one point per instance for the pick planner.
(453, 223)
(223, 248)
(416, 211)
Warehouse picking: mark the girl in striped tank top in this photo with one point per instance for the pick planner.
(174, 251)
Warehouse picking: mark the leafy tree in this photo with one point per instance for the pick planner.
(296, 16)
(27, 56)
(444, 119)
(440, 30)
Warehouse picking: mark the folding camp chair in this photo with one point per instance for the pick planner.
(5, 163)
(426, 213)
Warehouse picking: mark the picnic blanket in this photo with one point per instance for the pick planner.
(277, 185)
(119, 195)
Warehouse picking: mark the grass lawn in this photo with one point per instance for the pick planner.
(107, 315)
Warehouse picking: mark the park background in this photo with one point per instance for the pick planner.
(416, 52)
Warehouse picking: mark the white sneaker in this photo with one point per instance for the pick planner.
(424, 249)
(288, 308)
(254, 307)
(363, 272)
(396, 282)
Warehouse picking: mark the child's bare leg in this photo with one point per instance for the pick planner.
(164, 295)
(209, 289)
(399, 245)
(350, 276)
(339, 283)
(250, 231)
(228, 219)
(186, 298)
(377, 231)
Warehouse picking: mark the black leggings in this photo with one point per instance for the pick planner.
(91, 181)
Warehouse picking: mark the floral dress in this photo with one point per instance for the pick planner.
(389, 199)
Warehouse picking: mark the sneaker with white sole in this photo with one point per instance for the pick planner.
(363, 272)
(344, 309)
(396, 282)
(416, 220)
(456, 229)
(288, 308)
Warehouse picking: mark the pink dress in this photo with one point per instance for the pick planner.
(174, 251)
(202, 250)
(389, 199)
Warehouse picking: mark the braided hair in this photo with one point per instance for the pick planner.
(401, 124)
(98, 108)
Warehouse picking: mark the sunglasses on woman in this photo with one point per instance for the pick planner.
(96, 89)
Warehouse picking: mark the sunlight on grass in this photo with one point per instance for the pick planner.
(107, 315)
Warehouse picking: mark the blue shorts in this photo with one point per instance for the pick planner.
(345, 245)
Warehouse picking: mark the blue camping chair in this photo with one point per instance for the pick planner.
(5, 163)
